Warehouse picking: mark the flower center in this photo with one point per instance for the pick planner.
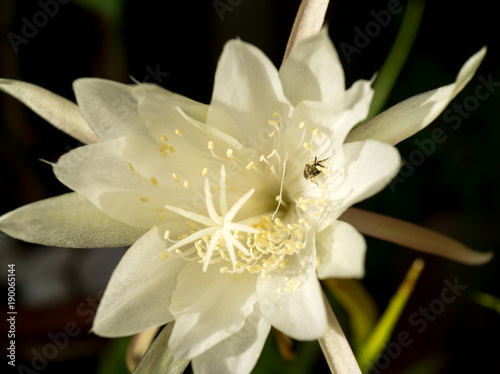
(258, 244)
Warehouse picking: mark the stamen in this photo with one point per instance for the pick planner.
(204, 172)
(250, 166)
(176, 177)
(178, 132)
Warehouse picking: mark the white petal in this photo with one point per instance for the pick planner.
(67, 221)
(369, 167)
(55, 109)
(138, 294)
(102, 174)
(410, 116)
(208, 307)
(313, 71)
(291, 300)
(160, 109)
(109, 107)
(237, 354)
(247, 91)
(341, 252)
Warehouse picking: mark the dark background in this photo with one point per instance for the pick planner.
(455, 190)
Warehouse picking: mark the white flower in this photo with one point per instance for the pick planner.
(231, 208)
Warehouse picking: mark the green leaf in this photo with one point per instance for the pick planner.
(373, 347)
(397, 56)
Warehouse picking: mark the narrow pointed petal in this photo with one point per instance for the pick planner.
(308, 21)
(159, 358)
(110, 108)
(412, 115)
(340, 252)
(60, 112)
(413, 236)
(67, 221)
(237, 354)
(336, 348)
(138, 294)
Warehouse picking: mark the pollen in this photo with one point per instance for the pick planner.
(131, 167)
(154, 181)
(178, 132)
(308, 146)
(272, 154)
(250, 166)
(171, 148)
(144, 199)
(204, 172)
(164, 138)
(161, 217)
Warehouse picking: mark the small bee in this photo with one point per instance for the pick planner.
(313, 169)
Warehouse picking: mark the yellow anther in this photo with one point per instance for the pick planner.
(250, 165)
(273, 122)
(272, 154)
(262, 158)
(178, 132)
(154, 181)
(164, 138)
(229, 154)
(144, 199)
(161, 217)
(182, 236)
(185, 184)
(176, 177)
(192, 224)
(308, 146)
(302, 125)
(271, 134)
(131, 167)
(204, 172)
(163, 153)
(171, 148)
(211, 145)
(159, 210)
(275, 114)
